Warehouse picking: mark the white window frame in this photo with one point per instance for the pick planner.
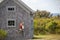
(11, 7)
(14, 23)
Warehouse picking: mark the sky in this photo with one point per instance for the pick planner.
(52, 6)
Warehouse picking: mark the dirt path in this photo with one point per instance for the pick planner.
(47, 37)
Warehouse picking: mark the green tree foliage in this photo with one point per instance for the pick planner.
(39, 14)
(3, 34)
(45, 23)
(46, 26)
(51, 27)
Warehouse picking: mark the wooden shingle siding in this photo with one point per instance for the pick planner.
(21, 14)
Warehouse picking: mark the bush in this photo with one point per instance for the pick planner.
(58, 30)
(3, 34)
(51, 27)
(46, 26)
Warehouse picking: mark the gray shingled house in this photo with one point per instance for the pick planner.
(12, 12)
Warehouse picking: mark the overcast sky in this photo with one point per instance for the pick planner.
(49, 5)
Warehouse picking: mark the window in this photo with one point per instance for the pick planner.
(11, 8)
(11, 23)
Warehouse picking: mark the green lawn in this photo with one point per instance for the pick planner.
(47, 37)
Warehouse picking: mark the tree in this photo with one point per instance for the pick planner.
(58, 16)
(51, 27)
(39, 14)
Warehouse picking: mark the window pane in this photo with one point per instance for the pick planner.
(10, 9)
(11, 23)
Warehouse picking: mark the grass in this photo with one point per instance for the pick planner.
(47, 37)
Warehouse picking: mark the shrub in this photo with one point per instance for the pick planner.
(51, 26)
(3, 34)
